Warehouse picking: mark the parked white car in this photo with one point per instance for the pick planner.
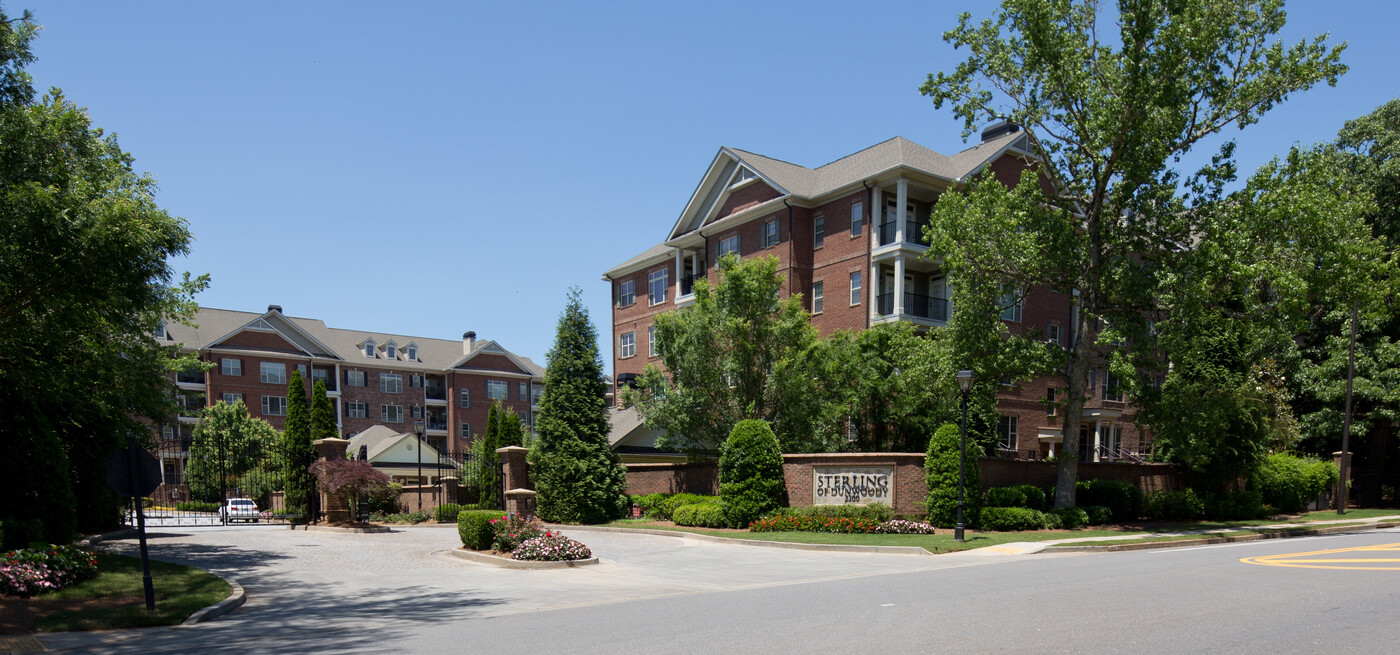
(240, 509)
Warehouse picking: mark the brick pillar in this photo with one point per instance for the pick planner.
(334, 509)
(515, 476)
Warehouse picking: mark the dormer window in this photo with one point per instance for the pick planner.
(159, 332)
(369, 348)
(391, 351)
(411, 352)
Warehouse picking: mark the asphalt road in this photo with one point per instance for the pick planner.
(312, 592)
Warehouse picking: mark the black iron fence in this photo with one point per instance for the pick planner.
(922, 306)
(199, 476)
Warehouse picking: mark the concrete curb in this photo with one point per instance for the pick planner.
(1221, 539)
(373, 529)
(830, 548)
(236, 597)
(124, 533)
(507, 563)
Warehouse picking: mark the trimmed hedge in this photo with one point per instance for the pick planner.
(1070, 518)
(1123, 499)
(196, 506)
(474, 527)
(941, 471)
(1175, 506)
(1289, 483)
(1098, 514)
(663, 506)
(751, 472)
(1235, 505)
(702, 515)
(1011, 519)
(447, 512)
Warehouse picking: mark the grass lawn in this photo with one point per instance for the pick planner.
(115, 599)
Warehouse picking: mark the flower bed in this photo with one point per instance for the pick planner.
(551, 548)
(838, 525)
(36, 570)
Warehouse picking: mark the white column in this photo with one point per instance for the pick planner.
(678, 272)
(898, 285)
(873, 292)
(878, 200)
(1098, 438)
(901, 199)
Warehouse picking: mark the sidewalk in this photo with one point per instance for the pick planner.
(1215, 535)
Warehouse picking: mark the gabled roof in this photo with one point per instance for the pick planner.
(493, 348)
(380, 439)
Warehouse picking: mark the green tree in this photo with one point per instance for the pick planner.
(578, 477)
(228, 444)
(512, 431)
(297, 452)
(737, 352)
(84, 283)
(941, 471)
(322, 416)
(751, 473)
(1107, 208)
(489, 463)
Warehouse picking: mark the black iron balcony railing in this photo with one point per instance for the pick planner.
(190, 377)
(913, 232)
(434, 393)
(688, 284)
(914, 305)
(437, 424)
(323, 378)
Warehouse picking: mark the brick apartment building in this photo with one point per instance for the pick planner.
(857, 260)
(372, 379)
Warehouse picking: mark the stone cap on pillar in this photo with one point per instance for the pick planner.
(520, 493)
(512, 449)
(331, 447)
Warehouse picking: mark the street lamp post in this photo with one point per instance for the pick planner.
(964, 384)
(418, 430)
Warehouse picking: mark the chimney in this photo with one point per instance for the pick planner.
(998, 129)
(274, 308)
(468, 342)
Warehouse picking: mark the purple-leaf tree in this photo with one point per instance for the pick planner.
(351, 480)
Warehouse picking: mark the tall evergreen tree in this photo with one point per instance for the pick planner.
(296, 445)
(488, 479)
(578, 477)
(512, 432)
(322, 415)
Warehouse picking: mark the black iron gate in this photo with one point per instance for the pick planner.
(199, 476)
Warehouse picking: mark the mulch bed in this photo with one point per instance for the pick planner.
(18, 616)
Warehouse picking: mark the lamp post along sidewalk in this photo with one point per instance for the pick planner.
(964, 384)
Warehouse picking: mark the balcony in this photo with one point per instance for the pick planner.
(324, 376)
(190, 377)
(920, 306)
(913, 233)
(688, 283)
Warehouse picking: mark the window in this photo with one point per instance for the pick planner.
(159, 332)
(1050, 407)
(415, 411)
(391, 351)
(855, 288)
(390, 383)
(355, 379)
(411, 353)
(818, 231)
(1112, 388)
(231, 398)
(816, 297)
(356, 409)
(1093, 377)
(415, 380)
(1010, 303)
(536, 392)
(728, 245)
(497, 390)
(301, 368)
(522, 389)
(770, 233)
(320, 375)
(391, 413)
(1053, 334)
(1006, 433)
(627, 345)
(274, 405)
(231, 366)
(656, 286)
(464, 397)
(465, 430)
(626, 293)
(272, 373)
(369, 349)
(857, 217)
(651, 341)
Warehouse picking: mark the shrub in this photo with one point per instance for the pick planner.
(1071, 518)
(703, 515)
(510, 532)
(904, 527)
(447, 512)
(400, 517)
(1035, 496)
(474, 527)
(810, 523)
(385, 503)
(665, 506)
(941, 468)
(1289, 482)
(1011, 519)
(1123, 499)
(196, 506)
(1005, 497)
(751, 472)
(1175, 506)
(550, 547)
(32, 571)
(1235, 505)
(1098, 514)
(878, 512)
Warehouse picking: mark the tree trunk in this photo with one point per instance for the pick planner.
(1076, 378)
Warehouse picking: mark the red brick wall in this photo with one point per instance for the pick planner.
(481, 406)
(751, 194)
(637, 317)
(255, 340)
(687, 477)
(249, 383)
(374, 398)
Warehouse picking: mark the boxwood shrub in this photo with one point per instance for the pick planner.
(474, 527)
(1288, 482)
(702, 515)
(1005, 497)
(751, 472)
(447, 512)
(1123, 499)
(664, 507)
(1235, 505)
(941, 470)
(1098, 514)
(1175, 506)
(1071, 518)
(1011, 519)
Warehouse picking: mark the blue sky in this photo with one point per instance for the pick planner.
(430, 168)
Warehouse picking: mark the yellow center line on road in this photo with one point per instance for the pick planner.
(1315, 560)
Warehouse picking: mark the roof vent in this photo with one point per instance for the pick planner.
(274, 308)
(998, 129)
